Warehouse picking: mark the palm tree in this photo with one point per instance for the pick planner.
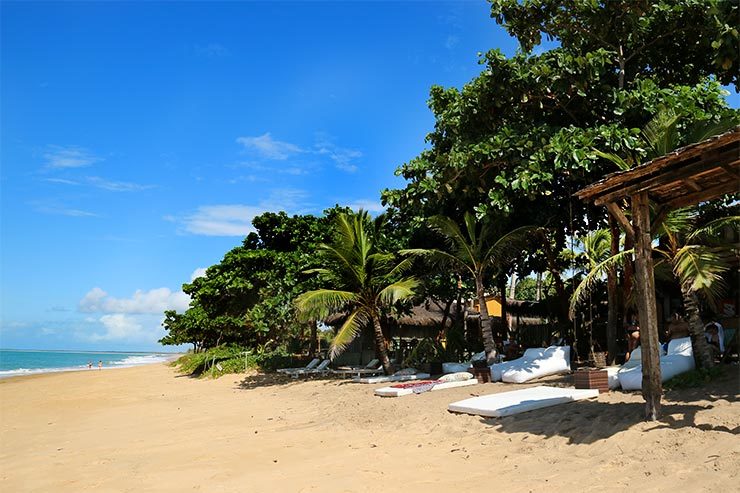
(476, 252)
(696, 259)
(364, 282)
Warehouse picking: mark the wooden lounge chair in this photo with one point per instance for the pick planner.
(372, 368)
(322, 369)
(311, 365)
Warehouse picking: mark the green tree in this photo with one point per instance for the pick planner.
(362, 280)
(476, 252)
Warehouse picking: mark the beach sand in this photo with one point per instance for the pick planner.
(147, 429)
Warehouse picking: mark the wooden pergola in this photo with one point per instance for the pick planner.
(692, 174)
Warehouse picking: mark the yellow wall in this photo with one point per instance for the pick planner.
(493, 305)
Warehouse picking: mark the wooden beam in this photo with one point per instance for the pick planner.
(617, 214)
(638, 184)
(692, 184)
(652, 388)
(704, 195)
(728, 169)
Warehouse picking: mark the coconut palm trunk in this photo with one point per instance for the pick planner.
(486, 327)
(702, 352)
(381, 350)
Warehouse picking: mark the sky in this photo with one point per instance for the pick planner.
(138, 140)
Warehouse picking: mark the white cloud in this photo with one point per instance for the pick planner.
(236, 219)
(65, 211)
(199, 272)
(267, 147)
(116, 186)
(222, 220)
(371, 206)
(119, 327)
(69, 157)
(343, 158)
(154, 301)
(102, 183)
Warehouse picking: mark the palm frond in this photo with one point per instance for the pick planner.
(596, 246)
(348, 332)
(462, 246)
(704, 129)
(397, 291)
(609, 156)
(716, 227)
(438, 258)
(677, 222)
(320, 303)
(660, 133)
(699, 269)
(509, 245)
(585, 287)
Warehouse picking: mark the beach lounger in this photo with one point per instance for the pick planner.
(535, 363)
(458, 367)
(311, 365)
(678, 359)
(322, 369)
(372, 368)
(519, 401)
(419, 386)
(399, 376)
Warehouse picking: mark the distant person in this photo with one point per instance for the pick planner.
(89, 365)
(100, 364)
(714, 334)
(633, 337)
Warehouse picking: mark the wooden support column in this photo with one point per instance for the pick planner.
(652, 388)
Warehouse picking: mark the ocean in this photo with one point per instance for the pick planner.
(27, 362)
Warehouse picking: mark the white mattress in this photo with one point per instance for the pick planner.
(519, 401)
(391, 378)
(398, 392)
(535, 363)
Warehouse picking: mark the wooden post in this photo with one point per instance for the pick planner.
(652, 388)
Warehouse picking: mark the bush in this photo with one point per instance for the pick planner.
(694, 378)
(222, 360)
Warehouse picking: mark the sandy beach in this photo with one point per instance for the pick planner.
(148, 429)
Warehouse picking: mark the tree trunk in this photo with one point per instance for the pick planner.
(612, 318)
(381, 351)
(538, 292)
(652, 387)
(628, 300)
(485, 323)
(314, 343)
(445, 317)
(702, 352)
(512, 286)
(504, 307)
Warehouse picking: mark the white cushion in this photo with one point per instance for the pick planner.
(454, 367)
(535, 363)
(680, 346)
(406, 371)
(456, 377)
(680, 361)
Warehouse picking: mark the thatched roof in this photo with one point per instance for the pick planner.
(698, 172)
(427, 314)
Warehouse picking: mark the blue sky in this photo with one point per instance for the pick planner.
(138, 140)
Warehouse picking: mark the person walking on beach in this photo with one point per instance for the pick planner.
(89, 365)
(100, 364)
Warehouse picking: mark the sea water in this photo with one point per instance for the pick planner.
(16, 362)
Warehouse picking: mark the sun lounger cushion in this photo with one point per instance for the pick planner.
(456, 377)
(397, 391)
(406, 371)
(680, 359)
(391, 378)
(535, 363)
(519, 401)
